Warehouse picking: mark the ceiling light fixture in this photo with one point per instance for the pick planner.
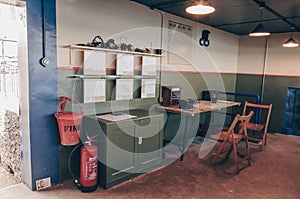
(200, 8)
(291, 43)
(260, 29)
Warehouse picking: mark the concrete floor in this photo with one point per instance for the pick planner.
(6, 178)
(274, 173)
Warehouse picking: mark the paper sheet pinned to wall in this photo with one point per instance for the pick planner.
(149, 66)
(148, 88)
(125, 64)
(94, 90)
(94, 63)
(180, 43)
(124, 89)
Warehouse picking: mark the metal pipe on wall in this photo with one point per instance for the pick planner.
(160, 60)
(264, 69)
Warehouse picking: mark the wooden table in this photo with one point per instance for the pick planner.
(199, 107)
(189, 114)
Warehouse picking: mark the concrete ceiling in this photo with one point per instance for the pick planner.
(238, 16)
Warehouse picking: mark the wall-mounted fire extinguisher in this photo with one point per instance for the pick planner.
(88, 166)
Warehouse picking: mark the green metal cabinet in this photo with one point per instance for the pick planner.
(120, 151)
(149, 143)
(127, 148)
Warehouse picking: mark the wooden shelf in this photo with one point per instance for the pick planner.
(141, 82)
(111, 77)
(76, 47)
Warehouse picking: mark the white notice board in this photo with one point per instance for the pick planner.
(148, 88)
(149, 66)
(180, 43)
(94, 90)
(94, 63)
(125, 64)
(124, 89)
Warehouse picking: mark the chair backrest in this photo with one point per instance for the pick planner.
(242, 119)
(251, 106)
(233, 138)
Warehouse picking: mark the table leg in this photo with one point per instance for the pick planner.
(184, 136)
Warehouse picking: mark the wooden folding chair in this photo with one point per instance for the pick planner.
(234, 139)
(259, 131)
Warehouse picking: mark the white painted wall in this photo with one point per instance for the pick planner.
(251, 55)
(78, 21)
(279, 60)
(220, 56)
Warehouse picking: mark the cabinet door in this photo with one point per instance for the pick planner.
(149, 142)
(121, 148)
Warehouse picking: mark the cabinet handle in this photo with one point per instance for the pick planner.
(140, 140)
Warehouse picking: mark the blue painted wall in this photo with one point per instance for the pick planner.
(42, 91)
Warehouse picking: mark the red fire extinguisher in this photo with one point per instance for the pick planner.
(88, 166)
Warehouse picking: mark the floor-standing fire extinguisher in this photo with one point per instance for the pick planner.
(88, 166)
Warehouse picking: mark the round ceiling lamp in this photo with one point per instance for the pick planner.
(201, 8)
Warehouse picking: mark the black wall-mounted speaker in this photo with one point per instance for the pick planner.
(204, 39)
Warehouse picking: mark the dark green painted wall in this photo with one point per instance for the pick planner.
(192, 86)
(274, 91)
(194, 83)
(249, 84)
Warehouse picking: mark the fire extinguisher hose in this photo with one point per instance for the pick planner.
(70, 168)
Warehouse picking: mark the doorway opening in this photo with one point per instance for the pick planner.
(13, 27)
